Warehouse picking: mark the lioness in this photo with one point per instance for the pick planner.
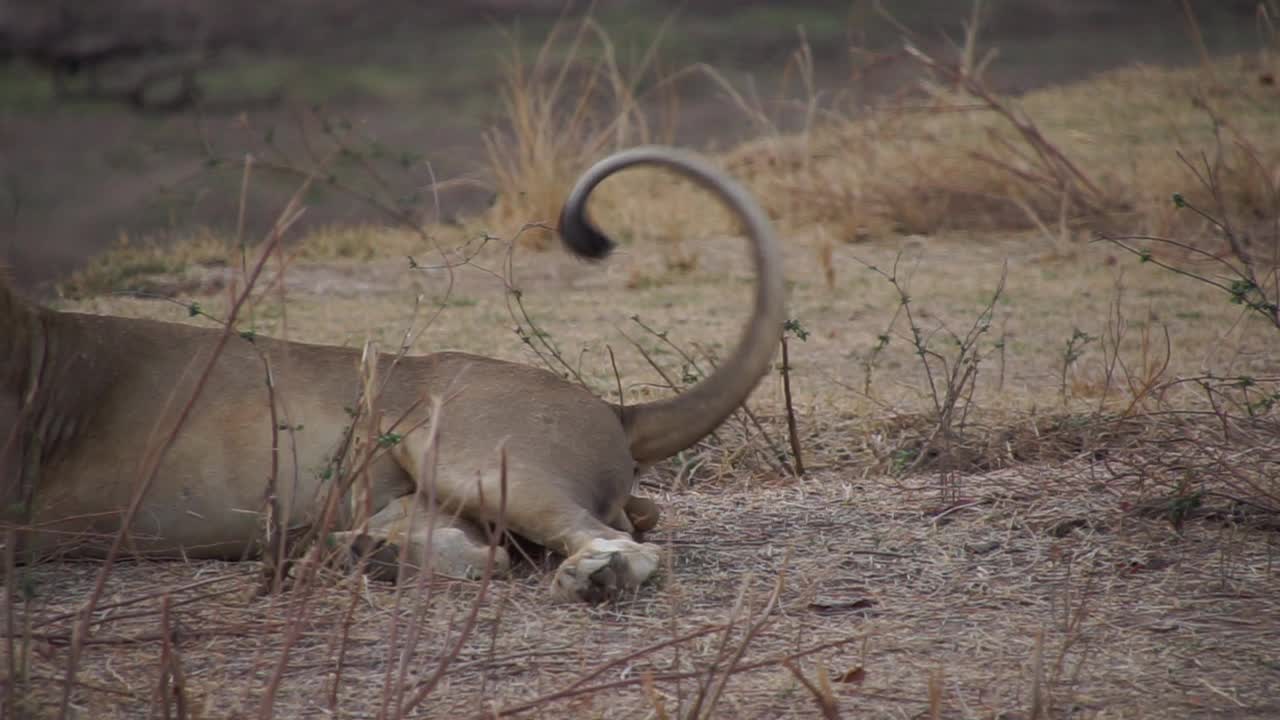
(84, 397)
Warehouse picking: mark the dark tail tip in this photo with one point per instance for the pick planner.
(581, 236)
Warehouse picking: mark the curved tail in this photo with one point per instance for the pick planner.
(660, 429)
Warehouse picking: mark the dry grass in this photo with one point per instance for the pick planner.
(203, 261)
(1038, 579)
(946, 161)
(944, 155)
(136, 264)
(564, 110)
(1068, 582)
(1096, 537)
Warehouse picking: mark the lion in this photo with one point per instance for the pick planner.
(84, 398)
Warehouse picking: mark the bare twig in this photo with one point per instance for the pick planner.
(821, 693)
(558, 695)
(9, 589)
(151, 466)
(792, 432)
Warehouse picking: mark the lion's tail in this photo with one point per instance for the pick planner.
(660, 429)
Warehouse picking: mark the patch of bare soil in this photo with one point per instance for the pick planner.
(1029, 590)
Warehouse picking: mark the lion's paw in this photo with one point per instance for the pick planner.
(603, 569)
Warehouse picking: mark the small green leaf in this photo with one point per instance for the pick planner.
(795, 328)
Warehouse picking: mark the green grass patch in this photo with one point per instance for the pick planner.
(24, 87)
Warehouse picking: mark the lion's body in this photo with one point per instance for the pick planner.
(87, 400)
(210, 485)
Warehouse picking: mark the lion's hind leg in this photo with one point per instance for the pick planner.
(426, 538)
(537, 503)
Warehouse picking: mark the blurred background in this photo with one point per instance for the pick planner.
(131, 119)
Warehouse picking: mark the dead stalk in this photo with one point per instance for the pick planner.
(822, 694)
(1065, 176)
(469, 623)
(792, 432)
(151, 465)
(559, 695)
(10, 687)
(171, 686)
(357, 579)
(274, 553)
(935, 694)
(1037, 678)
(766, 616)
(424, 497)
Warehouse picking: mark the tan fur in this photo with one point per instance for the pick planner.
(84, 398)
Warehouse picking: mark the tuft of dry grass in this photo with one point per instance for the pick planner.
(947, 154)
(570, 105)
(950, 161)
(135, 264)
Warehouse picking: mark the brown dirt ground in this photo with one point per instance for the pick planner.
(1039, 574)
(1035, 589)
(963, 593)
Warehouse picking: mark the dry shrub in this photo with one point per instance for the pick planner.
(1131, 124)
(895, 171)
(958, 156)
(1224, 461)
(564, 110)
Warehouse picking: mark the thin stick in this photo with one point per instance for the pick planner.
(565, 694)
(10, 688)
(826, 703)
(147, 596)
(630, 657)
(469, 624)
(752, 631)
(792, 432)
(424, 495)
(81, 631)
(273, 560)
(177, 678)
(342, 641)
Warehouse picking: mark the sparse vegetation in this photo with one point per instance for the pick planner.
(142, 265)
(1038, 472)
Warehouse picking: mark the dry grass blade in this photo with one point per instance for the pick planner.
(1068, 179)
(752, 631)
(11, 685)
(543, 701)
(821, 692)
(469, 624)
(556, 125)
(171, 688)
(793, 432)
(151, 464)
